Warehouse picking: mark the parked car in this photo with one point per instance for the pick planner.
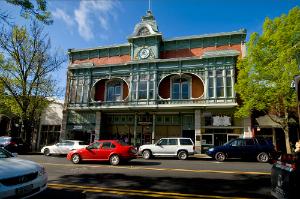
(176, 147)
(63, 148)
(258, 148)
(285, 175)
(14, 144)
(113, 151)
(20, 178)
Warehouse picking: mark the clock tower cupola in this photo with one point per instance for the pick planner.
(145, 39)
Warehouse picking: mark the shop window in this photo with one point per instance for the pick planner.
(176, 119)
(207, 139)
(57, 128)
(168, 119)
(159, 119)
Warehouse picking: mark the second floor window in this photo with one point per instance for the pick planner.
(143, 89)
(113, 92)
(180, 89)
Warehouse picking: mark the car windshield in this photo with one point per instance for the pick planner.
(5, 154)
(4, 139)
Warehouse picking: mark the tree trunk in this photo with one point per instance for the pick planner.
(287, 140)
(28, 129)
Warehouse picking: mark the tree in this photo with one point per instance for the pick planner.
(38, 10)
(266, 74)
(26, 72)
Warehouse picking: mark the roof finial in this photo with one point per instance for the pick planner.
(149, 5)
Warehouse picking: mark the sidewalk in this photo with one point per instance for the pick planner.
(198, 155)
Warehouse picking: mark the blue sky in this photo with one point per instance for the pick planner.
(92, 23)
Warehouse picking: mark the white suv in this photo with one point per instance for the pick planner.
(180, 147)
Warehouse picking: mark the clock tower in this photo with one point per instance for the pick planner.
(145, 40)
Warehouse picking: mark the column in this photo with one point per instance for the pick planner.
(63, 132)
(97, 127)
(198, 130)
(134, 130)
(153, 128)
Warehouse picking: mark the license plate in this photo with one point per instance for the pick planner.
(24, 190)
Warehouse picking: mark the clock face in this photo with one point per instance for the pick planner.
(144, 53)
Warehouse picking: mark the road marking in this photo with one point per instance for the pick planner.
(163, 169)
(134, 192)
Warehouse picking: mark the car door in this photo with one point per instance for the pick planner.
(58, 147)
(106, 149)
(234, 149)
(249, 150)
(92, 152)
(160, 147)
(69, 145)
(171, 147)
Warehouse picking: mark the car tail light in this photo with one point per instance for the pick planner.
(132, 150)
(13, 143)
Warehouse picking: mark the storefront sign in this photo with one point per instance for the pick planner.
(77, 127)
(221, 121)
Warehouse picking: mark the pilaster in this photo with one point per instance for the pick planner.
(98, 124)
(198, 130)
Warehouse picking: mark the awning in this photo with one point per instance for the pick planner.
(266, 122)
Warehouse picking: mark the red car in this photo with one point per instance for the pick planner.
(104, 150)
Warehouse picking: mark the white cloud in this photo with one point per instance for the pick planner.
(90, 15)
(88, 10)
(60, 14)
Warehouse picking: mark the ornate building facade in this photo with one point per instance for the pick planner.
(150, 88)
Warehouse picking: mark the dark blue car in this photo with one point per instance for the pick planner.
(258, 148)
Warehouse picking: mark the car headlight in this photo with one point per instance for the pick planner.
(211, 149)
(42, 171)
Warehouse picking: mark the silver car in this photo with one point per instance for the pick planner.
(63, 147)
(20, 178)
(180, 147)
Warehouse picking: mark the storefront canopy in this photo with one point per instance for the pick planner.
(266, 122)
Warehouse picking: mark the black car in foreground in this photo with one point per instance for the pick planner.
(14, 144)
(258, 148)
(285, 176)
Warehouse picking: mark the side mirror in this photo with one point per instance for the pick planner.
(158, 144)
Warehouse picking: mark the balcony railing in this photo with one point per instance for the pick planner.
(160, 102)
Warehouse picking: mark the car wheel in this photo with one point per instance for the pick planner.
(147, 154)
(220, 156)
(75, 158)
(262, 157)
(47, 152)
(182, 155)
(114, 160)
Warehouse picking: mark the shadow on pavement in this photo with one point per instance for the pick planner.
(254, 186)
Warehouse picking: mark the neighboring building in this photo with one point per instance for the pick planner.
(150, 88)
(50, 124)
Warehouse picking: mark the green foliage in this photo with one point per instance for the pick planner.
(25, 73)
(37, 9)
(266, 74)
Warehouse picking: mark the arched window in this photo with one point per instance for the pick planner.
(180, 88)
(113, 91)
(143, 32)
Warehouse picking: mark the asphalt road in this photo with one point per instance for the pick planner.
(155, 178)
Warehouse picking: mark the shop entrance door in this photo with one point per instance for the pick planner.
(220, 139)
(189, 134)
